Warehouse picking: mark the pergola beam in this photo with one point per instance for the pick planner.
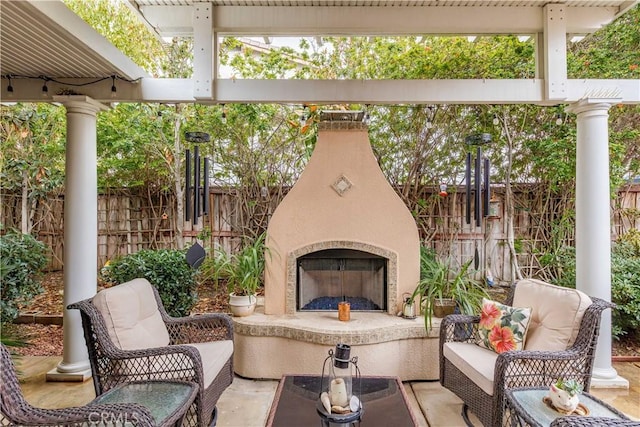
(376, 92)
(372, 20)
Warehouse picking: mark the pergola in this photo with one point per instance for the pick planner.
(44, 44)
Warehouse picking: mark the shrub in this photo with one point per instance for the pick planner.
(625, 289)
(22, 259)
(165, 269)
(625, 284)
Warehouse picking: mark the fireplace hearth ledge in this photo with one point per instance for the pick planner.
(269, 346)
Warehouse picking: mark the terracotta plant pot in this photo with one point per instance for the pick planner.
(242, 305)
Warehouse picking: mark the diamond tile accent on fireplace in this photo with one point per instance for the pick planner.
(342, 185)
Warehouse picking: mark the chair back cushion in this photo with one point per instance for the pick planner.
(132, 317)
(556, 313)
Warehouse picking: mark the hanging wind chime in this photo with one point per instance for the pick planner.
(196, 189)
(479, 186)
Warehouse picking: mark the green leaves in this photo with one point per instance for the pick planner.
(165, 269)
(244, 270)
(22, 259)
(571, 386)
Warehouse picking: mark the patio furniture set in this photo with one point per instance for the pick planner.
(151, 369)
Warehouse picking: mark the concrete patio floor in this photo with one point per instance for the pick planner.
(247, 402)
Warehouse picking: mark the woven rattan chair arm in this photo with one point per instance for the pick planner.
(514, 363)
(580, 421)
(521, 355)
(458, 327)
(183, 352)
(132, 414)
(200, 328)
(455, 319)
(181, 361)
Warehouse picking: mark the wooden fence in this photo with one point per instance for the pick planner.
(129, 222)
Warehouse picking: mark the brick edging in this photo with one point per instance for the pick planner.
(625, 358)
(38, 318)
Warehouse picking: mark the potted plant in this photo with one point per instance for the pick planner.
(441, 289)
(244, 273)
(563, 395)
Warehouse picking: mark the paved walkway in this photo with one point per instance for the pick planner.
(247, 402)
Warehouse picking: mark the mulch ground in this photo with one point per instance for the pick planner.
(46, 340)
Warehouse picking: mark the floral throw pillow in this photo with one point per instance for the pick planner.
(502, 328)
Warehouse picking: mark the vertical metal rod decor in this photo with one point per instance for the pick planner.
(467, 180)
(196, 195)
(487, 188)
(196, 184)
(478, 187)
(205, 192)
(187, 186)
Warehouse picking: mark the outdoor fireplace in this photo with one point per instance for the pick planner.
(341, 231)
(327, 277)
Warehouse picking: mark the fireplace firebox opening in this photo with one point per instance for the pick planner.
(329, 276)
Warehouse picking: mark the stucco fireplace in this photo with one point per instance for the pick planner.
(341, 210)
(340, 233)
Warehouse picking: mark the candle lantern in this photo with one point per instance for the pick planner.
(338, 404)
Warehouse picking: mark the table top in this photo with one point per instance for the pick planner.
(383, 399)
(164, 399)
(528, 404)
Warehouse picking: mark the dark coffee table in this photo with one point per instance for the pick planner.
(383, 399)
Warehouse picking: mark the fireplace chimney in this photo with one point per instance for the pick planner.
(342, 200)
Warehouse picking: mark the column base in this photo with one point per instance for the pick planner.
(56, 376)
(616, 382)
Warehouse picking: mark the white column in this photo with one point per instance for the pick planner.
(593, 217)
(80, 230)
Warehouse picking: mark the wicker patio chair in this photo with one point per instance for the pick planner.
(533, 366)
(579, 421)
(15, 410)
(130, 337)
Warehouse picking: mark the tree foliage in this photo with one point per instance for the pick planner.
(256, 147)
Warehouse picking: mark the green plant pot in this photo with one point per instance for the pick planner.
(443, 307)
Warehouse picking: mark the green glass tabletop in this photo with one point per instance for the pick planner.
(531, 401)
(161, 398)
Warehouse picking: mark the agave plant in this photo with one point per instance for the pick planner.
(438, 281)
(244, 270)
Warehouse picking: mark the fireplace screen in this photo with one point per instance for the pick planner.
(333, 275)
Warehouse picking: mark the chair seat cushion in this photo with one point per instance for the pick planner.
(214, 355)
(556, 313)
(477, 363)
